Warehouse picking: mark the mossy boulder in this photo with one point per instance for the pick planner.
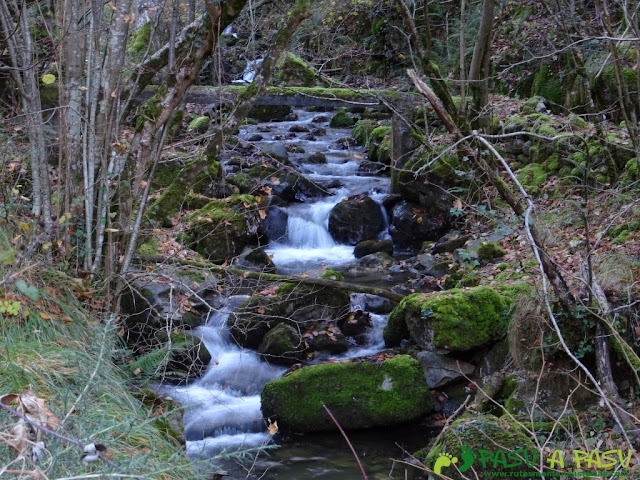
(222, 228)
(282, 345)
(359, 394)
(489, 251)
(355, 219)
(291, 70)
(450, 321)
(342, 120)
(532, 177)
(184, 191)
(467, 436)
(299, 306)
(199, 124)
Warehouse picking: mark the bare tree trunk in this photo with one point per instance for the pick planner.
(463, 66)
(479, 68)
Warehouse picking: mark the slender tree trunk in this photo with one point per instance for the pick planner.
(479, 67)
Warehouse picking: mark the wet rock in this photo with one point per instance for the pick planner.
(151, 309)
(450, 242)
(439, 370)
(293, 304)
(320, 119)
(411, 225)
(257, 260)
(287, 184)
(310, 137)
(360, 394)
(317, 158)
(319, 131)
(299, 128)
(264, 128)
(450, 321)
(368, 247)
(326, 338)
(274, 226)
(256, 137)
(282, 345)
(355, 219)
(356, 323)
(375, 304)
(270, 113)
(277, 150)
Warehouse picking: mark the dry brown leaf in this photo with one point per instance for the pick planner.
(263, 214)
(273, 427)
(23, 437)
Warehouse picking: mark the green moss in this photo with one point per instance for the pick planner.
(489, 250)
(577, 121)
(378, 134)
(140, 38)
(362, 132)
(199, 124)
(532, 177)
(175, 196)
(548, 85)
(291, 70)
(359, 395)
(454, 320)
(220, 228)
(341, 120)
(482, 432)
(333, 275)
(149, 247)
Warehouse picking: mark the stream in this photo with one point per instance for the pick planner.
(222, 409)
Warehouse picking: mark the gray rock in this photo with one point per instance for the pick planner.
(441, 370)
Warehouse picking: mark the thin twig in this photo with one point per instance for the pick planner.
(364, 474)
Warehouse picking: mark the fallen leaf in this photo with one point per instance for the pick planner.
(273, 427)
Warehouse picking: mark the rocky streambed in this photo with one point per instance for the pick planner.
(247, 353)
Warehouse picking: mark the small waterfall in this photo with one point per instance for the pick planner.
(249, 71)
(222, 409)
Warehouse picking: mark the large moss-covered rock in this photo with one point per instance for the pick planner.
(342, 120)
(355, 219)
(467, 436)
(451, 321)
(222, 228)
(291, 70)
(360, 394)
(181, 194)
(297, 305)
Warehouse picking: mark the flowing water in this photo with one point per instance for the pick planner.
(222, 409)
